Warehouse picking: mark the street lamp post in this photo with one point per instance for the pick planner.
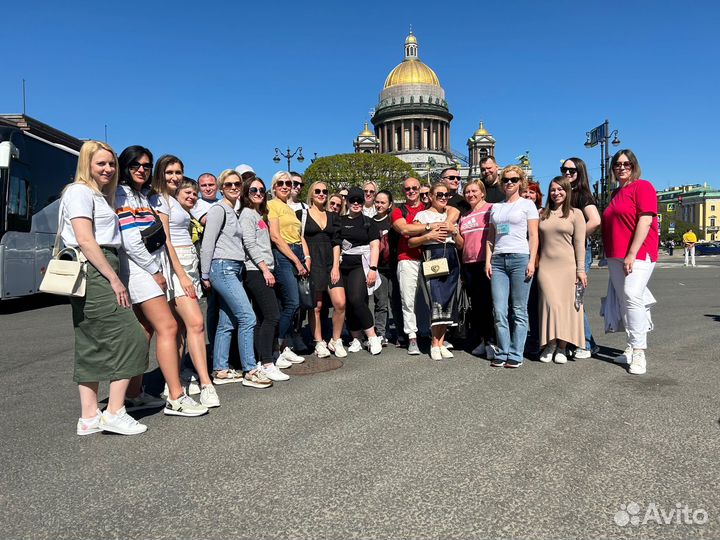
(601, 135)
(287, 155)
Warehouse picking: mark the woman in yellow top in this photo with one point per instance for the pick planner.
(291, 261)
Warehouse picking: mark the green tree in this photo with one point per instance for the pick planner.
(347, 170)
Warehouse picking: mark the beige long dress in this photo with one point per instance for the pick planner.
(562, 255)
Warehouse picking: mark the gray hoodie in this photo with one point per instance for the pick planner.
(256, 239)
(220, 241)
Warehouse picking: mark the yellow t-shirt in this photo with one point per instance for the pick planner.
(289, 223)
(689, 238)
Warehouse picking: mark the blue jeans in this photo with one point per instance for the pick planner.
(589, 341)
(235, 312)
(287, 289)
(509, 284)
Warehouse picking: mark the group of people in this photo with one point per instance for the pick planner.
(157, 242)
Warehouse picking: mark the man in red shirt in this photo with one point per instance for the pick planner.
(408, 268)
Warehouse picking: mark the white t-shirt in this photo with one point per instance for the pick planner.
(511, 225)
(429, 217)
(81, 201)
(297, 206)
(178, 218)
(201, 208)
(369, 211)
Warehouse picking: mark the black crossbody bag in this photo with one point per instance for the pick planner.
(154, 236)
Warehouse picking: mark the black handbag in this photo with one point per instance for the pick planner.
(154, 236)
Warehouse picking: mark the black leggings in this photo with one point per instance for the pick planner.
(358, 314)
(267, 312)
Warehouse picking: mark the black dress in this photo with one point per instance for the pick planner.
(320, 244)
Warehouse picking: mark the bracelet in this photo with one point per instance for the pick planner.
(308, 257)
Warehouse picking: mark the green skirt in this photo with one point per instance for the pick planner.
(110, 343)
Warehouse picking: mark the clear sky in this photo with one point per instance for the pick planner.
(223, 83)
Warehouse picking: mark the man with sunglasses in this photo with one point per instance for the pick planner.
(369, 191)
(294, 202)
(451, 178)
(408, 265)
(494, 192)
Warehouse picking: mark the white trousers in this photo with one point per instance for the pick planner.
(407, 273)
(629, 291)
(690, 253)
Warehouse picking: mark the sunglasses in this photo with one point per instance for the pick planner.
(424, 193)
(623, 165)
(511, 180)
(369, 190)
(451, 178)
(412, 188)
(355, 201)
(255, 190)
(570, 170)
(298, 184)
(285, 183)
(442, 195)
(134, 166)
(234, 185)
(335, 204)
(321, 191)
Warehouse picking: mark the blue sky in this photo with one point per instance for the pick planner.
(223, 83)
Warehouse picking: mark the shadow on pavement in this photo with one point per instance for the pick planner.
(715, 318)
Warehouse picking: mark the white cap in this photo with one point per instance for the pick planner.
(243, 168)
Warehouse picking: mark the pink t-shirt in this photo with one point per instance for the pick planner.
(474, 230)
(621, 216)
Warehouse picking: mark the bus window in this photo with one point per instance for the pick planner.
(18, 208)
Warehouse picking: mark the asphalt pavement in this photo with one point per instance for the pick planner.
(385, 447)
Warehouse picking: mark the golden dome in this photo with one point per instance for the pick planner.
(366, 132)
(411, 72)
(481, 130)
(410, 39)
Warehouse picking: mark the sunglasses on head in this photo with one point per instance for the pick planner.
(321, 191)
(285, 183)
(254, 190)
(134, 166)
(232, 184)
(568, 170)
(511, 180)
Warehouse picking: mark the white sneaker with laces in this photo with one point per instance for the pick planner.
(321, 349)
(209, 397)
(88, 426)
(547, 354)
(435, 353)
(337, 347)
(445, 352)
(638, 365)
(479, 350)
(184, 406)
(274, 374)
(560, 356)
(282, 363)
(121, 422)
(375, 345)
(582, 354)
(355, 346)
(625, 358)
(291, 357)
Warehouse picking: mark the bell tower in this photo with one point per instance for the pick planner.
(480, 145)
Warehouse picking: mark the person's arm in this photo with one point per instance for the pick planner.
(641, 231)
(374, 255)
(131, 238)
(213, 228)
(489, 247)
(283, 247)
(335, 270)
(83, 230)
(401, 226)
(306, 253)
(434, 235)
(579, 227)
(592, 219)
(533, 225)
(185, 282)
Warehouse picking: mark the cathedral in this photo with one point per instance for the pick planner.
(412, 121)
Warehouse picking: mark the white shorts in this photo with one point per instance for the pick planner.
(140, 284)
(190, 262)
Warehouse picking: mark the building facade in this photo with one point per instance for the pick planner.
(695, 206)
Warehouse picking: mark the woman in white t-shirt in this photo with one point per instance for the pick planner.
(436, 244)
(110, 344)
(510, 265)
(184, 286)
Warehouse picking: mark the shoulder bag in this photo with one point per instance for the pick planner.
(153, 236)
(66, 273)
(436, 268)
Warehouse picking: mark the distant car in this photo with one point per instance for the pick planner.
(708, 248)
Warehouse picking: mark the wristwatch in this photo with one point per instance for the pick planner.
(428, 228)
(373, 268)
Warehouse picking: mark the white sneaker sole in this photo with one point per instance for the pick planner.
(121, 431)
(184, 412)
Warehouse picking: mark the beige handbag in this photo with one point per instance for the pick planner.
(435, 268)
(66, 272)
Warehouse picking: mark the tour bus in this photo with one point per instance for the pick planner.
(36, 163)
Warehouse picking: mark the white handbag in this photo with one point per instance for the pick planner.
(66, 273)
(435, 268)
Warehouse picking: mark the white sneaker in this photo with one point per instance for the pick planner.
(560, 356)
(274, 374)
(209, 397)
(293, 358)
(479, 350)
(547, 354)
(321, 349)
(582, 354)
(355, 346)
(375, 345)
(625, 358)
(190, 382)
(638, 365)
(435, 353)
(88, 426)
(445, 352)
(338, 348)
(184, 406)
(282, 363)
(121, 422)
(448, 345)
